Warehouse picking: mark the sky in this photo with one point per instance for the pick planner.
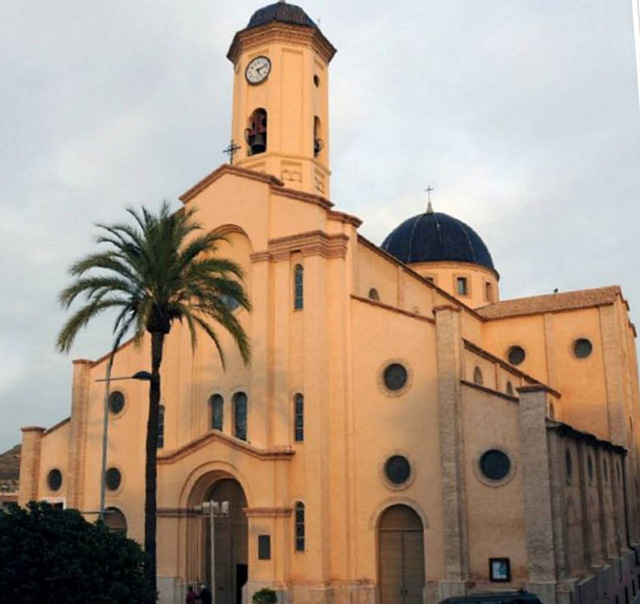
(522, 115)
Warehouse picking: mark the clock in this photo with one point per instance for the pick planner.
(258, 70)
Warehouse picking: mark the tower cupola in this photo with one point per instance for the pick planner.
(280, 107)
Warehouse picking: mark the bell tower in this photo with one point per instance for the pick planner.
(280, 97)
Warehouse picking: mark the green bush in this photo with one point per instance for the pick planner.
(52, 555)
(265, 596)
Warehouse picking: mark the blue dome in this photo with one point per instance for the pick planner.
(436, 237)
(283, 13)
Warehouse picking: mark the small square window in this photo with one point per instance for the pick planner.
(461, 286)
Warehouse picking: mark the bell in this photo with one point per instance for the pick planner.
(258, 144)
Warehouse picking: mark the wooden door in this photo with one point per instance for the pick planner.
(400, 556)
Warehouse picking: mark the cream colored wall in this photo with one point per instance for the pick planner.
(445, 275)
(388, 425)
(53, 455)
(548, 343)
(400, 287)
(495, 513)
(291, 99)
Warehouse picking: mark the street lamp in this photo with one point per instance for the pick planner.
(213, 509)
(140, 375)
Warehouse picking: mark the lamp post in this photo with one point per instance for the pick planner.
(140, 375)
(214, 509)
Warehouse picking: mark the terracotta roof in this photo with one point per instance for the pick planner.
(585, 298)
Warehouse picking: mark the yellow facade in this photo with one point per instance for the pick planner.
(565, 514)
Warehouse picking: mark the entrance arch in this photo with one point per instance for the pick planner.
(401, 576)
(231, 543)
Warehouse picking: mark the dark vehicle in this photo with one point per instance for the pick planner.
(496, 597)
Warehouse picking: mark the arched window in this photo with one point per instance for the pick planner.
(299, 508)
(373, 294)
(298, 401)
(161, 427)
(256, 132)
(318, 142)
(115, 521)
(217, 411)
(509, 389)
(477, 376)
(240, 415)
(298, 278)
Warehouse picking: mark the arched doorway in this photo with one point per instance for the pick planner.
(400, 556)
(231, 543)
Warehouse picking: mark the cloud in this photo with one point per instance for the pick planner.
(523, 117)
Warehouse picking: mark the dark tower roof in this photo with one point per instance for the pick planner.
(436, 237)
(283, 13)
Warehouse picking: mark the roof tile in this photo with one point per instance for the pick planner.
(551, 303)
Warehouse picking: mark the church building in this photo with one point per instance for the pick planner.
(402, 434)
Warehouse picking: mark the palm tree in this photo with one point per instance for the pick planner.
(158, 269)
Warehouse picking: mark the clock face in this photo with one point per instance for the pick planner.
(258, 70)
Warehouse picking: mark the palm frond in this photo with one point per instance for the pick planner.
(158, 268)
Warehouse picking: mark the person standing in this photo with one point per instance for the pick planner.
(191, 595)
(205, 595)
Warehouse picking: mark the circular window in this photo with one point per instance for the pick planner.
(582, 348)
(230, 302)
(395, 377)
(516, 355)
(116, 402)
(495, 464)
(568, 464)
(397, 469)
(54, 479)
(113, 479)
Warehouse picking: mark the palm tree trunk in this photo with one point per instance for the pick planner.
(157, 343)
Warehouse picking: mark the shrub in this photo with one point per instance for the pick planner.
(53, 555)
(265, 596)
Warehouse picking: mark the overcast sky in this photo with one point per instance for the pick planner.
(523, 116)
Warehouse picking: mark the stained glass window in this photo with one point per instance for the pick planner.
(516, 355)
(217, 411)
(582, 348)
(54, 479)
(240, 415)
(116, 402)
(298, 287)
(299, 417)
(395, 377)
(495, 464)
(299, 526)
(113, 479)
(397, 469)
